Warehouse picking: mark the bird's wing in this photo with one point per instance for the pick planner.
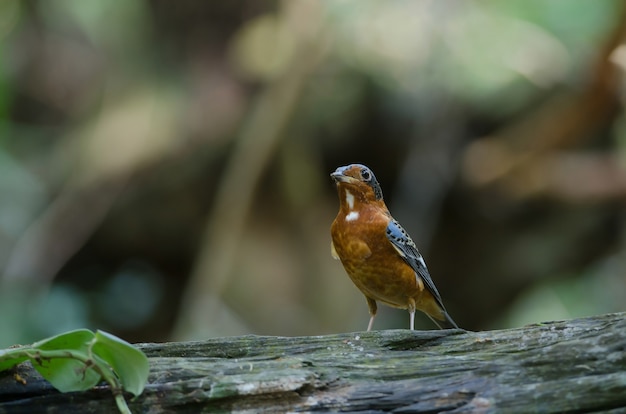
(403, 244)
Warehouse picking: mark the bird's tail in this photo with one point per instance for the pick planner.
(446, 323)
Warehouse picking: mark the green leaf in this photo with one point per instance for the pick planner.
(9, 359)
(129, 363)
(78, 339)
(66, 373)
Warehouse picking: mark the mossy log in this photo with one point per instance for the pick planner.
(557, 367)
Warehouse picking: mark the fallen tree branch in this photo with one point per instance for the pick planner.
(557, 367)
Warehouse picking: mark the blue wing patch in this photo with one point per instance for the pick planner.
(403, 244)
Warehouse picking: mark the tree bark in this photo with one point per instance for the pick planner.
(557, 367)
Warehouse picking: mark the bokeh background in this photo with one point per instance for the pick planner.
(164, 165)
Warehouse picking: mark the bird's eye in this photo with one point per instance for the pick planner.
(366, 175)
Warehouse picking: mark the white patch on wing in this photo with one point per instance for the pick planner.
(400, 252)
(350, 199)
(333, 251)
(353, 215)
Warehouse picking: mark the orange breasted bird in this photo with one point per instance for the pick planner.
(377, 253)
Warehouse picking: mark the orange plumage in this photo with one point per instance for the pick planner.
(377, 253)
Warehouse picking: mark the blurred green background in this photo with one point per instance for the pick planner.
(164, 165)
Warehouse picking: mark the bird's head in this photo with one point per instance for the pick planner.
(359, 180)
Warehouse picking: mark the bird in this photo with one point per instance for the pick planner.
(377, 253)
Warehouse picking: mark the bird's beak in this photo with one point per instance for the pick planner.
(339, 177)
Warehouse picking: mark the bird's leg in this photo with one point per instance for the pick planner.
(371, 304)
(412, 314)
